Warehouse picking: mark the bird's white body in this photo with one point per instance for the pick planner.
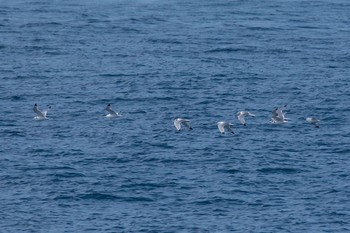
(241, 114)
(40, 115)
(313, 120)
(178, 122)
(223, 126)
(278, 116)
(111, 112)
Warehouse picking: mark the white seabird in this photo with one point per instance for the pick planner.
(241, 114)
(314, 121)
(278, 116)
(181, 121)
(223, 125)
(111, 112)
(40, 115)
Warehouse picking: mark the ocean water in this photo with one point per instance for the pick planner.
(156, 60)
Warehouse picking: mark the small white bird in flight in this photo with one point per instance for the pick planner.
(278, 116)
(181, 121)
(40, 115)
(111, 112)
(314, 121)
(223, 125)
(241, 114)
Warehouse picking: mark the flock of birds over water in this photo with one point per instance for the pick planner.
(278, 117)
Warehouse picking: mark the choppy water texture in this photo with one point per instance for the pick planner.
(156, 60)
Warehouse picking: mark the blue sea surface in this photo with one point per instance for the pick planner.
(157, 60)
